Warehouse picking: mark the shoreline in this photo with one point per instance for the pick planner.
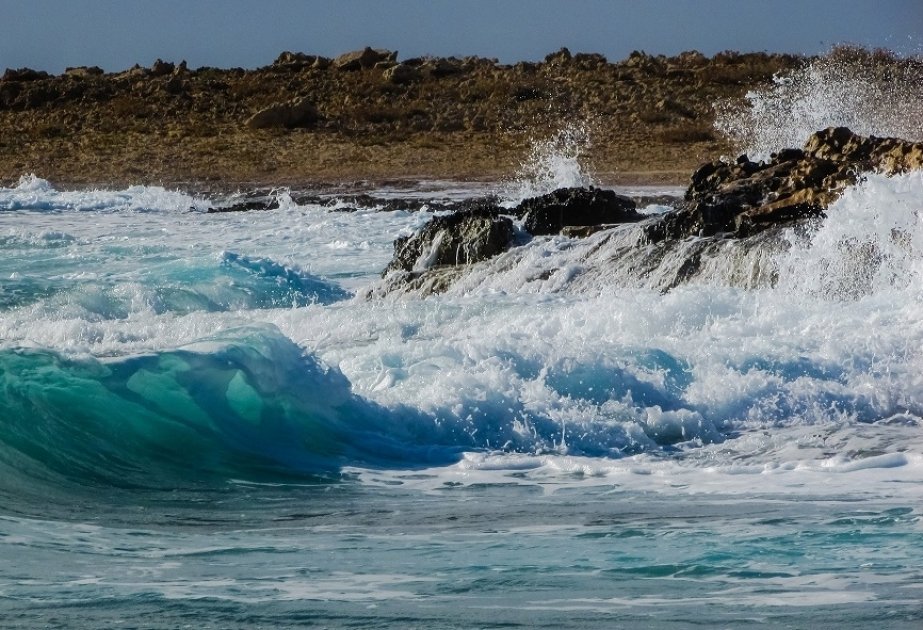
(641, 179)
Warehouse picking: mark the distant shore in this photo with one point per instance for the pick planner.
(369, 116)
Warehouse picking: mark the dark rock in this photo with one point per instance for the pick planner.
(9, 94)
(175, 85)
(363, 59)
(528, 93)
(575, 207)
(295, 113)
(162, 68)
(743, 198)
(589, 61)
(246, 206)
(559, 58)
(364, 201)
(456, 239)
(23, 74)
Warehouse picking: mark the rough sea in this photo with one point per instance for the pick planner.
(205, 424)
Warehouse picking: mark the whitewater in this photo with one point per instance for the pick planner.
(213, 419)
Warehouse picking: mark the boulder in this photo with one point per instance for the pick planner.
(363, 59)
(296, 61)
(83, 72)
(401, 74)
(742, 198)
(295, 113)
(575, 207)
(457, 239)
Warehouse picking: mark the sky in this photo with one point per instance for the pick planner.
(115, 34)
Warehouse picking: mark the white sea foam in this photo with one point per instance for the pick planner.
(580, 360)
(34, 193)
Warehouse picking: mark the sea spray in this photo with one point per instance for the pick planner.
(848, 87)
(554, 161)
(871, 243)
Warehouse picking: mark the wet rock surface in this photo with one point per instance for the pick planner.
(429, 260)
(575, 207)
(742, 198)
(462, 238)
(743, 204)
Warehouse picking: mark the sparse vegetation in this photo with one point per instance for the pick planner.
(468, 117)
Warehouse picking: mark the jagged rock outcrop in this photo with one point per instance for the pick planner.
(364, 59)
(575, 207)
(743, 198)
(162, 68)
(432, 258)
(23, 75)
(731, 208)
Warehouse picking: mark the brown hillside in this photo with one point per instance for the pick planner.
(307, 119)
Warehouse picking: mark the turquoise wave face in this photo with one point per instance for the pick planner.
(248, 405)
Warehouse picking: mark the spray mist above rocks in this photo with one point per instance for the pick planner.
(872, 93)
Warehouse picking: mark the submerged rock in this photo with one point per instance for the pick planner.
(246, 206)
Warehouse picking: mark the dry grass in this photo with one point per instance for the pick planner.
(476, 122)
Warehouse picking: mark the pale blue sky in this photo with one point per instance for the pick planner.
(114, 34)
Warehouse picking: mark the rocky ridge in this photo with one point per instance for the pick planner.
(738, 201)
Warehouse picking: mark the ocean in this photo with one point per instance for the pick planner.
(206, 422)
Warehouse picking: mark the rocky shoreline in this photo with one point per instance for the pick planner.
(309, 121)
(740, 201)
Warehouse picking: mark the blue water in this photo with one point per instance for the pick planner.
(205, 422)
